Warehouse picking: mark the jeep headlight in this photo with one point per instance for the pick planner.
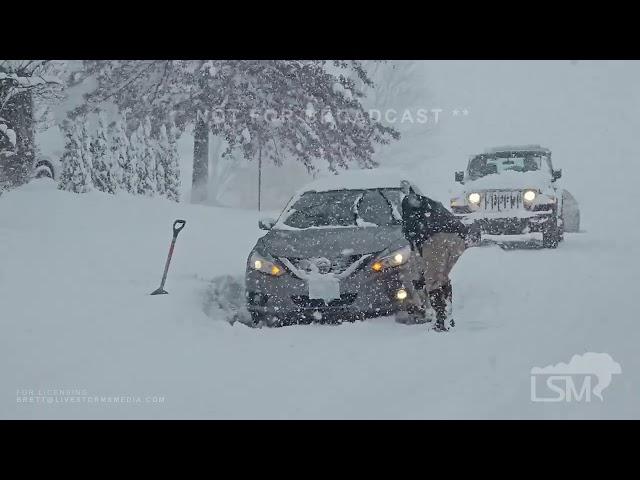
(261, 264)
(474, 198)
(393, 259)
(529, 195)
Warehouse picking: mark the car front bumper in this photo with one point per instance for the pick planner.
(363, 294)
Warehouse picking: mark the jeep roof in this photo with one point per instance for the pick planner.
(518, 149)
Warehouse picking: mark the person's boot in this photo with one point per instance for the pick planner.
(438, 301)
(448, 293)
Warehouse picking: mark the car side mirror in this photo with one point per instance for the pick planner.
(266, 223)
(557, 174)
(459, 176)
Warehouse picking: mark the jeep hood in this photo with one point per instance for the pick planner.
(510, 181)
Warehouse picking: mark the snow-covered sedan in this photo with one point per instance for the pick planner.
(336, 253)
(512, 192)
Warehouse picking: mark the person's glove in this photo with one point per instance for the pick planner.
(470, 239)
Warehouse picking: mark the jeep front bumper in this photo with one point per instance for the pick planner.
(508, 222)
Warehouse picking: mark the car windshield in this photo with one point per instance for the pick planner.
(483, 165)
(345, 208)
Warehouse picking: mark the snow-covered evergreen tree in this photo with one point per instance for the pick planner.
(74, 177)
(150, 156)
(168, 161)
(103, 172)
(172, 170)
(145, 162)
(124, 156)
(86, 150)
(159, 155)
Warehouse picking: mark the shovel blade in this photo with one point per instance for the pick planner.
(160, 291)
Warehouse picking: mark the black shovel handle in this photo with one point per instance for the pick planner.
(178, 225)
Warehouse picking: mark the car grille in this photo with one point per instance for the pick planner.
(305, 302)
(335, 265)
(498, 201)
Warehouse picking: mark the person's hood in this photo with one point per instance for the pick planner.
(330, 242)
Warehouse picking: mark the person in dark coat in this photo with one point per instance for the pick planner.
(437, 239)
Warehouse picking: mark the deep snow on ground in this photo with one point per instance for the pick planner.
(75, 313)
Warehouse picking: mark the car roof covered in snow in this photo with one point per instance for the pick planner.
(517, 148)
(358, 180)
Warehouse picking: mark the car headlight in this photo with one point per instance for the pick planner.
(474, 197)
(393, 259)
(261, 264)
(529, 195)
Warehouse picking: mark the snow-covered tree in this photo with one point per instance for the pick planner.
(168, 161)
(150, 156)
(172, 169)
(318, 112)
(26, 86)
(86, 150)
(158, 155)
(104, 171)
(74, 177)
(145, 162)
(122, 155)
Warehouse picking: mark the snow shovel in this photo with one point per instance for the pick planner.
(178, 225)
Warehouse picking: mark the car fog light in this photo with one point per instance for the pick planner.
(401, 294)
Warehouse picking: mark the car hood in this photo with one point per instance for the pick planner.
(330, 242)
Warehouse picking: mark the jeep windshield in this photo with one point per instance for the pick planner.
(483, 165)
(345, 208)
